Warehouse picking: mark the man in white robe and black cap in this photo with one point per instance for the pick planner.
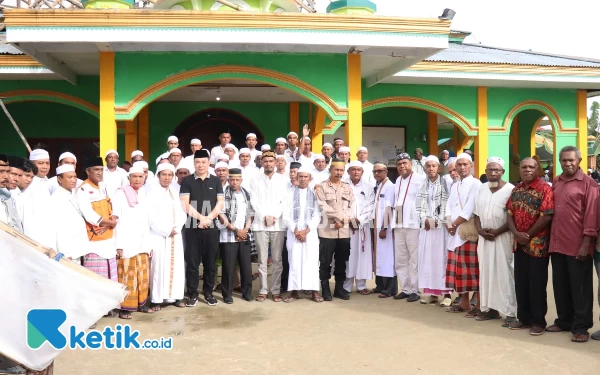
(166, 217)
(301, 216)
(360, 263)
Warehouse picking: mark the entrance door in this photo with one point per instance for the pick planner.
(206, 125)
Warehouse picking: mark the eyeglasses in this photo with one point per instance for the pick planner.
(493, 171)
(379, 170)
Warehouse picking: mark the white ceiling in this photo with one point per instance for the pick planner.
(232, 91)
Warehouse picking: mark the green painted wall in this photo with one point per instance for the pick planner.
(271, 118)
(527, 119)
(414, 120)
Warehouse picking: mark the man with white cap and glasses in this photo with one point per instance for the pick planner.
(231, 151)
(113, 174)
(215, 152)
(462, 272)
(251, 142)
(494, 249)
(360, 263)
(362, 155)
(320, 171)
(431, 210)
(407, 228)
(64, 158)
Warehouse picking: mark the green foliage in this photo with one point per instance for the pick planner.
(594, 119)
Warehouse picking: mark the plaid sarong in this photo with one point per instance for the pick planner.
(134, 274)
(230, 211)
(462, 269)
(103, 267)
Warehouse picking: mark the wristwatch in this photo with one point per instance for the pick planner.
(235, 230)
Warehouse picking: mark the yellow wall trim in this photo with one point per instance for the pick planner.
(18, 60)
(204, 19)
(545, 108)
(481, 141)
(582, 129)
(354, 126)
(439, 66)
(295, 118)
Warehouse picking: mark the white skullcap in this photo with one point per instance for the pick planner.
(39, 154)
(319, 157)
(245, 150)
(165, 167)
(224, 157)
(590, 170)
(464, 156)
(195, 141)
(305, 169)
(140, 164)
(137, 153)
(308, 138)
(136, 169)
(344, 149)
(363, 148)
(173, 138)
(355, 163)
(495, 159)
(327, 144)
(111, 152)
(65, 155)
(432, 158)
(265, 148)
(181, 166)
(446, 151)
(251, 135)
(281, 157)
(64, 169)
(290, 133)
(222, 165)
(230, 146)
(280, 140)
(174, 150)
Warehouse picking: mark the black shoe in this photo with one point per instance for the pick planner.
(227, 300)
(413, 297)
(248, 298)
(191, 302)
(211, 300)
(401, 296)
(340, 292)
(325, 291)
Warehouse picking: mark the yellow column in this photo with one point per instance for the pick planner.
(581, 128)
(317, 132)
(514, 135)
(432, 126)
(354, 123)
(143, 133)
(108, 125)
(481, 141)
(295, 118)
(131, 138)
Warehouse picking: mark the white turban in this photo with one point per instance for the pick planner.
(39, 154)
(174, 150)
(344, 149)
(464, 156)
(327, 144)
(137, 153)
(64, 169)
(294, 133)
(355, 163)
(165, 167)
(111, 152)
(230, 146)
(363, 148)
(265, 148)
(251, 135)
(280, 140)
(495, 159)
(432, 158)
(195, 141)
(135, 169)
(221, 165)
(319, 157)
(245, 150)
(304, 169)
(140, 164)
(173, 139)
(223, 157)
(281, 157)
(65, 155)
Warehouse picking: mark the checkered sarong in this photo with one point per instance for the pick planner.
(462, 269)
(103, 267)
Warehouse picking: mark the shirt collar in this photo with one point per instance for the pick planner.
(578, 176)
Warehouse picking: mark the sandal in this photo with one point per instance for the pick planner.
(364, 292)
(473, 313)
(457, 301)
(487, 315)
(145, 309)
(384, 295)
(112, 314)
(317, 298)
(155, 307)
(474, 301)
(508, 320)
(580, 337)
(455, 309)
(289, 299)
(554, 328)
(179, 303)
(261, 298)
(276, 298)
(125, 315)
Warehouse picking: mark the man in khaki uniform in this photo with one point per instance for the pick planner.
(335, 201)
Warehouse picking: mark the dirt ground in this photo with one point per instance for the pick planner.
(365, 335)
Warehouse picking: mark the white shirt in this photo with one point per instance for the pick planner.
(468, 188)
(319, 177)
(132, 233)
(215, 152)
(113, 179)
(405, 196)
(15, 192)
(248, 174)
(71, 233)
(307, 161)
(291, 154)
(267, 196)
(52, 184)
(418, 166)
(253, 154)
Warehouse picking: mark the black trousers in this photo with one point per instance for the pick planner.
(328, 247)
(285, 272)
(201, 246)
(531, 279)
(387, 285)
(231, 252)
(573, 283)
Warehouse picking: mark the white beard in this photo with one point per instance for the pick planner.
(493, 184)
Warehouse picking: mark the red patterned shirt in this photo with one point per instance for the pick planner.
(526, 204)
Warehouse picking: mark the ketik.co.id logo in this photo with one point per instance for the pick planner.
(43, 326)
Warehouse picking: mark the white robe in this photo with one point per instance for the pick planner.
(52, 184)
(35, 211)
(496, 273)
(114, 180)
(303, 257)
(132, 233)
(71, 233)
(360, 263)
(467, 188)
(384, 248)
(167, 267)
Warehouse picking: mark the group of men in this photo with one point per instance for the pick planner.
(435, 231)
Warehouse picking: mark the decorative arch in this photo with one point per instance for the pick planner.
(428, 105)
(50, 96)
(545, 108)
(214, 73)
